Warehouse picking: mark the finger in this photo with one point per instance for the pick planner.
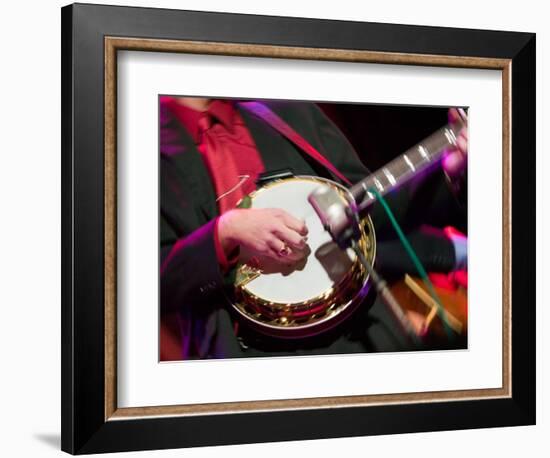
(462, 145)
(295, 224)
(461, 138)
(290, 237)
(453, 115)
(454, 163)
(283, 253)
(278, 249)
(293, 255)
(296, 255)
(462, 113)
(456, 113)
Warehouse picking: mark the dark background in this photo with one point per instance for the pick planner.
(381, 132)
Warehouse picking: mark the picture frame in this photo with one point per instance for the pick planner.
(92, 35)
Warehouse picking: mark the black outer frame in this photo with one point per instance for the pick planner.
(84, 429)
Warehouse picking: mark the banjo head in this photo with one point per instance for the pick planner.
(318, 292)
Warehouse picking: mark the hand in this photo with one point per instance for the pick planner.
(455, 159)
(265, 232)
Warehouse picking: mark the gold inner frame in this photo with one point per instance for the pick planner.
(114, 44)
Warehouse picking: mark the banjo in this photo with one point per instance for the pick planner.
(326, 287)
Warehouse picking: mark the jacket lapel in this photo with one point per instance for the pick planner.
(191, 166)
(180, 150)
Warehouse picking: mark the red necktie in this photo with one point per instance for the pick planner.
(220, 162)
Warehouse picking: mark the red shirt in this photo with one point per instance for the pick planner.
(228, 151)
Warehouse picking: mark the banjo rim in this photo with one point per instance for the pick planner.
(341, 297)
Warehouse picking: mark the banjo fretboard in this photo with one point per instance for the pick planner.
(412, 162)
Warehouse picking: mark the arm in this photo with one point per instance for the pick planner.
(193, 267)
(190, 272)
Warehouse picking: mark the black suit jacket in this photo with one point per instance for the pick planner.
(191, 280)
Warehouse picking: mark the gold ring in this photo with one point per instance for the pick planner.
(284, 250)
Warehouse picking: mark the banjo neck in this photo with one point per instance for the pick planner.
(416, 160)
(326, 286)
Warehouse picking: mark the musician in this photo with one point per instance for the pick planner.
(211, 154)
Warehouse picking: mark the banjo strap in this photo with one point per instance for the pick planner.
(275, 121)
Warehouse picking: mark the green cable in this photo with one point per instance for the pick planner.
(419, 267)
